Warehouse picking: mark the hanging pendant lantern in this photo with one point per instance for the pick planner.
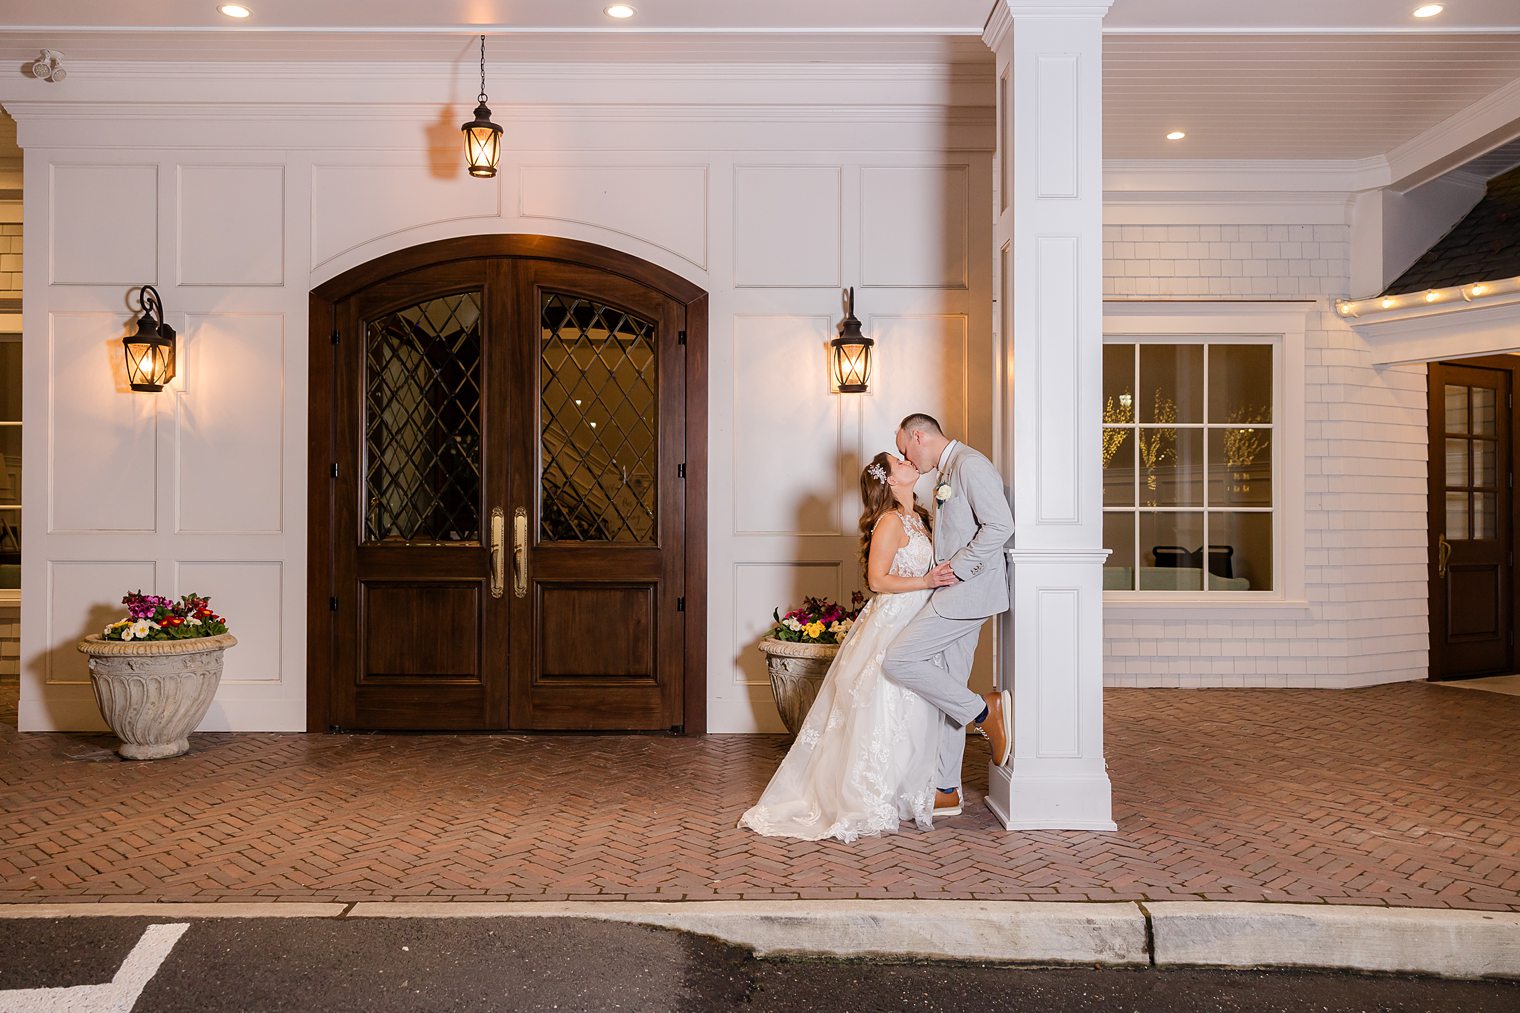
(150, 352)
(851, 353)
(482, 138)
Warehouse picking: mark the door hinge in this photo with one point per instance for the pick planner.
(332, 604)
(680, 337)
(335, 336)
(681, 471)
(680, 604)
(335, 470)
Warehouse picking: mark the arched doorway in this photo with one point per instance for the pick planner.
(508, 491)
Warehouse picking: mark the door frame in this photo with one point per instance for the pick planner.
(322, 436)
(1434, 603)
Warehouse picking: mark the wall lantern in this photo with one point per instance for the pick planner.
(150, 352)
(482, 138)
(850, 353)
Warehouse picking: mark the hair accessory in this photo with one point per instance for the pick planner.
(879, 473)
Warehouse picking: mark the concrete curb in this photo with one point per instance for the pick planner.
(1452, 944)
(1096, 933)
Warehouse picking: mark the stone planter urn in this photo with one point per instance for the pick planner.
(796, 671)
(153, 693)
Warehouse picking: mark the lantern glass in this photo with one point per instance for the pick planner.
(150, 362)
(852, 364)
(482, 145)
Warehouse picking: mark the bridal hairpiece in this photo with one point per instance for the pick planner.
(879, 473)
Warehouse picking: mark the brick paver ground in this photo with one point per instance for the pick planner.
(1396, 795)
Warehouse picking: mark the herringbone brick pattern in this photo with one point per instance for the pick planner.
(1399, 795)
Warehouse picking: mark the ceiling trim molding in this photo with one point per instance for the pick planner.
(999, 24)
(1275, 30)
(1230, 208)
(1289, 176)
(1486, 124)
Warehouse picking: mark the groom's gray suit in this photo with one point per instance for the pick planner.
(971, 527)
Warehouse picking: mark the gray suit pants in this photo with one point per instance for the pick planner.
(932, 656)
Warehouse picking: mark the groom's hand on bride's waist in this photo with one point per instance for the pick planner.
(943, 576)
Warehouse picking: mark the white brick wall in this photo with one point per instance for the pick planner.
(1364, 483)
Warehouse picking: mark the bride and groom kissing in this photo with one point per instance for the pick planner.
(885, 737)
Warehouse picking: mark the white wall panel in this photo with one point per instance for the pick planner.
(101, 434)
(247, 594)
(786, 434)
(760, 589)
(228, 422)
(104, 224)
(920, 366)
(352, 204)
(914, 226)
(83, 596)
(231, 223)
(786, 226)
(665, 206)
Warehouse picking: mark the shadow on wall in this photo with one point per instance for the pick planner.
(66, 663)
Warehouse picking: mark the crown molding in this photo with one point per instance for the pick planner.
(1253, 176)
(1487, 123)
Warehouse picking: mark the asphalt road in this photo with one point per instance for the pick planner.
(562, 964)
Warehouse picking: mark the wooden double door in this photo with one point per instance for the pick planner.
(504, 491)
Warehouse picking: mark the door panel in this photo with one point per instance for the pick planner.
(600, 646)
(1471, 526)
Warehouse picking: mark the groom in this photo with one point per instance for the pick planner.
(933, 653)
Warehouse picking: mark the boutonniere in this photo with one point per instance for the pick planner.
(942, 492)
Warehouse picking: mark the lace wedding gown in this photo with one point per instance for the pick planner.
(865, 756)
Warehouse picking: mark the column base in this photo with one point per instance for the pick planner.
(1050, 801)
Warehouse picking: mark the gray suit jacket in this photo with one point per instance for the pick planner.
(971, 528)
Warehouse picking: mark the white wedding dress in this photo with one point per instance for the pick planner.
(865, 757)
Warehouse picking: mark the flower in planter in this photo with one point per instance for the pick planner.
(817, 621)
(153, 617)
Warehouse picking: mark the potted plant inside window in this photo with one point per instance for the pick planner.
(799, 649)
(155, 672)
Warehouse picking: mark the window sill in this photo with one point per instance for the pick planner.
(1184, 607)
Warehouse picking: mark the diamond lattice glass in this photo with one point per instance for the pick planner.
(422, 422)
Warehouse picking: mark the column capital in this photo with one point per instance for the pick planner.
(1004, 13)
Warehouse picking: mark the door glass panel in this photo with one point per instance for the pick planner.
(1456, 462)
(1483, 411)
(1456, 409)
(1485, 467)
(1456, 516)
(599, 407)
(1483, 515)
(422, 423)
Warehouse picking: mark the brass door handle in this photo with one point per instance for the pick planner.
(498, 552)
(520, 553)
(1443, 555)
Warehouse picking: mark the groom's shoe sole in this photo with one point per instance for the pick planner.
(1000, 720)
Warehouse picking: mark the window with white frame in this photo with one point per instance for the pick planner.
(1190, 487)
(10, 461)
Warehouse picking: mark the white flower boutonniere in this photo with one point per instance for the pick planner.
(942, 492)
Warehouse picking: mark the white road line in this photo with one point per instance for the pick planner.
(119, 995)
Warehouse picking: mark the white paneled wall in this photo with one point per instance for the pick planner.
(1366, 615)
(771, 209)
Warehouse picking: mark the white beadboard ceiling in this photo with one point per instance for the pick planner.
(1272, 79)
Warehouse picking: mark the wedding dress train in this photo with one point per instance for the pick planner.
(865, 757)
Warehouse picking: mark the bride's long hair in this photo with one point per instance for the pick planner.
(876, 501)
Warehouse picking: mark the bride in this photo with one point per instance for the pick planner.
(865, 757)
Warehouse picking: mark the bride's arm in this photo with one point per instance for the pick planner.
(888, 536)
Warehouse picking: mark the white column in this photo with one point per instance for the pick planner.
(1049, 239)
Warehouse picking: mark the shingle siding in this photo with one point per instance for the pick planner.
(1364, 483)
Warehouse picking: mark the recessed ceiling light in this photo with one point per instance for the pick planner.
(233, 10)
(619, 11)
(1175, 135)
(1428, 10)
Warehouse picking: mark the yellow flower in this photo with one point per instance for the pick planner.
(814, 630)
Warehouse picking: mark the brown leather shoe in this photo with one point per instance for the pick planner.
(947, 803)
(998, 725)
